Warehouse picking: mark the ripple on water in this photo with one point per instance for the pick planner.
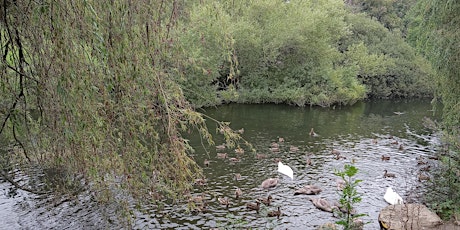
(298, 211)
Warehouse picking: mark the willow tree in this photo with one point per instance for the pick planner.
(90, 94)
(434, 31)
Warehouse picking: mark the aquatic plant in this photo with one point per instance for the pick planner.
(349, 197)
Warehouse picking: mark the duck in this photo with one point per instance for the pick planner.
(422, 177)
(343, 208)
(274, 213)
(374, 141)
(322, 204)
(270, 183)
(275, 149)
(220, 147)
(312, 132)
(308, 190)
(338, 157)
(237, 176)
(200, 181)
(238, 193)
(280, 139)
(224, 201)
(222, 155)
(196, 199)
(426, 168)
(422, 162)
(335, 152)
(239, 151)
(286, 170)
(386, 174)
(234, 159)
(293, 148)
(261, 156)
(401, 148)
(385, 158)
(275, 145)
(392, 197)
(201, 208)
(394, 142)
(358, 224)
(253, 206)
(308, 161)
(340, 184)
(241, 131)
(265, 201)
(206, 162)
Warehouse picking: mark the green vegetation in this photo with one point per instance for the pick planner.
(301, 53)
(101, 93)
(434, 32)
(89, 92)
(349, 198)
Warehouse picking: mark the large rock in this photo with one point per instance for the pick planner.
(408, 216)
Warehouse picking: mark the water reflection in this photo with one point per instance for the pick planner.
(362, 133)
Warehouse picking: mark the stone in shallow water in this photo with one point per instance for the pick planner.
(408, 216)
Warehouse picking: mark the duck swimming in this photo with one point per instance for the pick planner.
(270, 183)
(423, 177)
(220, 147)
(274, 213)
(238, 193)
(234, 159)
(261, 156)
(222, 155)
(335, 152)
(239, 151)
(253, 206)
(237, 176)
(386, 174)
(308, 190)
(308, 161)
(340, 184)
(312, 133)
(293, 148)
(265, 201)
(392, 197)
(385, 158)
(322, 204)
(224, 201)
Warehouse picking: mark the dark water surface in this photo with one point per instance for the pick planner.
(361, 133)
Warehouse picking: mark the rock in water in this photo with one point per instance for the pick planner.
(408, 216)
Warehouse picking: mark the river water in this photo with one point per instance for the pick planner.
(362, 133)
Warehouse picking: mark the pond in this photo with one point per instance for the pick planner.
(362, 133)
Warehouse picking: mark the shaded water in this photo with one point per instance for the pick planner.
(351, 130)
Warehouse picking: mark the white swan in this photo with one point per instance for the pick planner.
(392, 197)
(286, 170)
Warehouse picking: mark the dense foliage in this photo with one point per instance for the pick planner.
(100, 93)
(301, 52)
(89, 92)
(434, 31)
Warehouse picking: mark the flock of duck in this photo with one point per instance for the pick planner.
(390, 196)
